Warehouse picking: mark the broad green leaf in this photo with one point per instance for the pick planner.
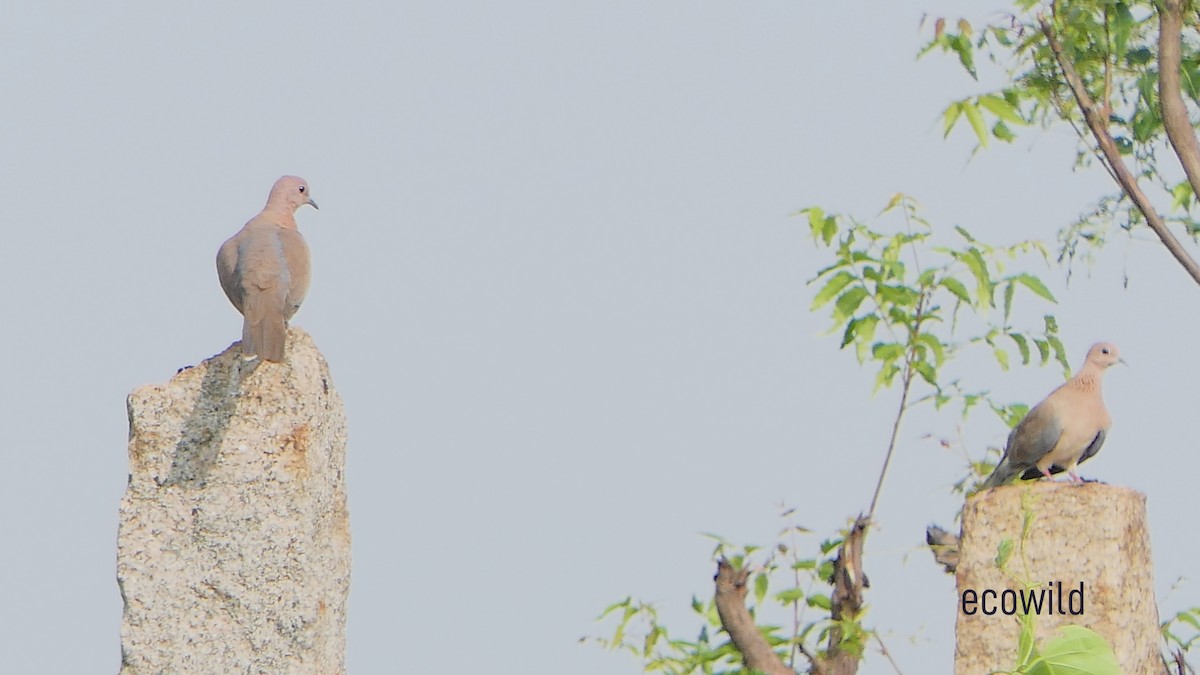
(1001, 131)
(819, 600)
(1122, 26)
(1043, 349)
(950, 117)
(789, 596)
(831, 288)
(961, 45)
(1001, 108)
(816, 220)
(1182, 196)
(926, 371)
(935, 345)
(957, 288)
(1076, 651)
(887, 350)
(1035, 284)
(1004, 552)
(899, 295)
(976, 120)
(1022, 346)
(829, 230)
(851, 331)
(973, 259)
(1001, 357)
(760, 587)
(848, 303)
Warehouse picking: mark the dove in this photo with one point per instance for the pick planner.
(1066, 428)
(264, 269)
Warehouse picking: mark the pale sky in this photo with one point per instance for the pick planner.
(558, 287)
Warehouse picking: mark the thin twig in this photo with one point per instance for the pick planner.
(883, 648)
(908, 378)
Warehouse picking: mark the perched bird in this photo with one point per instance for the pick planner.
(264, 269)
(1066, 428)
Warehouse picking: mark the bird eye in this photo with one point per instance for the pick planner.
(1102, 351)
(302, 188)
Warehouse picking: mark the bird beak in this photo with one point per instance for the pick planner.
(1123, 362)
(313, 203)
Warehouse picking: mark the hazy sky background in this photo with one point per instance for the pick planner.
(557, 284)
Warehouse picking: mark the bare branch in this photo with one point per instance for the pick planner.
(1174, 112)
(736, 620)
(849, 580)
(1098, 124)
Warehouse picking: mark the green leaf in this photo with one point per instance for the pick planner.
(1043, 349)
(950, 117)
(926, 371)
(789, 596)
(976, 119)
(1122, 26)
(973, 259)
(829, 230)
(957, 288)
(1001, 131)
(1022, 346)
(848, 303)
(1076, 650)
(1004, 552)
(961, 45)
(899, 295)
(935, 345)
(816, 220)
(1001, 357)
(1035, 284)
(1001, 108)
(1182, 196)
(760, 587)
(1008, 298)
(819, 600)
(831, 288)
(887, 350)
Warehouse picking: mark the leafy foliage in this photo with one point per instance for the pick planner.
(781, 578)
(1112, 45)
(906, 319)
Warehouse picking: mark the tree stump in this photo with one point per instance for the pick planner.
(1087, 549)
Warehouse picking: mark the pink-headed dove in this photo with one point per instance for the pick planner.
(1066, 428)
(264, 269)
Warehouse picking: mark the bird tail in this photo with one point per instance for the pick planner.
(268, 337)
(265, 328)
(1001, 475)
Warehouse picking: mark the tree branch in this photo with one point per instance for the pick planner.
(1174, 112)
(736, 620)
(849, 580)
(1098, 124)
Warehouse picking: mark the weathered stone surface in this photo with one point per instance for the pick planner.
(1092, 534)
(234, 543)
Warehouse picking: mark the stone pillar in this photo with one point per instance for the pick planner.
(1092, 538)
(233, 549)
